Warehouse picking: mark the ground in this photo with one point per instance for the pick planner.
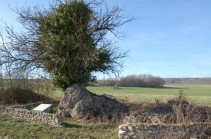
(136, 98)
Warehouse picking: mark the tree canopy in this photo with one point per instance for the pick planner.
(68, 41)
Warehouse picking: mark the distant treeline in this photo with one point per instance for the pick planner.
(205, 80)
(145, 80)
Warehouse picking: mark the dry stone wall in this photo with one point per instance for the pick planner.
(164, 131)
(33, 116)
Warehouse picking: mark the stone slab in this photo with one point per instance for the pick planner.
(43, 108)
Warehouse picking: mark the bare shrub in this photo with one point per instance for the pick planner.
(181, 99)
(184, 113)
(178, 111)
(26, 79)
(21, 96)
(1, 83)
(42, 86)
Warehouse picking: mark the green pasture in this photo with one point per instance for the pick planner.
(196, 93)
(169, 89)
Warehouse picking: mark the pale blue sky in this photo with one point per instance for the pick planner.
(169, 38)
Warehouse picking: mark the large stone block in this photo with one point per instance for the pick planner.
(80, 103)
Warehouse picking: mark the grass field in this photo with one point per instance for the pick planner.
(197, 93)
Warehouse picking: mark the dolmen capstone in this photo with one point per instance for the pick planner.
(79, 103)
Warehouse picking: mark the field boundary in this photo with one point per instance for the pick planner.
(22, 112)
(164, 131)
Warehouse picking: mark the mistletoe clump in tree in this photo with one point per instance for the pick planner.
(68, 41)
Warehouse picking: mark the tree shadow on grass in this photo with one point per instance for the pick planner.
(166, 87)
(68, 125)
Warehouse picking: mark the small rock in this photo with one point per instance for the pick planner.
(121, 133)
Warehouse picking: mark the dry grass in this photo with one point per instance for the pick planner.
(20, 96)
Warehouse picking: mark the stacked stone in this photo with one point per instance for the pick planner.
(34, 116)
(162, 131)
(4, 137)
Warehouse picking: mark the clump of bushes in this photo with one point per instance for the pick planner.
(174, 111)
(134, 81)
(20, 96)
(178, 111)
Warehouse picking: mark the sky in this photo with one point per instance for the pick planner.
(168, 38)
